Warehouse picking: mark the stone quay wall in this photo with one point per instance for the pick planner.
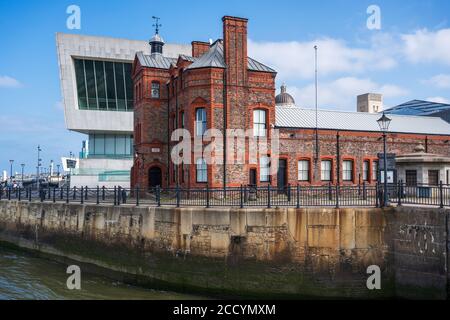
(266, 253)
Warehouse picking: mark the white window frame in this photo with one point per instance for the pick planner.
(366, 170)
(303, 167)
(156, 91)
(259, 123)
(347, 174)
(201, 171)
(329, 170)
(200, 121)
(264, 169)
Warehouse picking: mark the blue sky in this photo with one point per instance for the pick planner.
(407, 59)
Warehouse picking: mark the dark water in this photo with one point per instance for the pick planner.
(24, 276)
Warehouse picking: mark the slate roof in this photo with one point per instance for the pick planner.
(418, 107)
(155, 60)
(289, 117)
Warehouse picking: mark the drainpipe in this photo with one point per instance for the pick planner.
(224, 127)
(338, 159)
(176, 125)
(168, 135)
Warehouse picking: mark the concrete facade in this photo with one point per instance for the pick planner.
(70, 46)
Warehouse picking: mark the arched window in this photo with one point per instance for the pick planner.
(201, 170)
(155, 90)
(259, 123)
(200, 121)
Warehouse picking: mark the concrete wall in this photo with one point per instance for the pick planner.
(248, 252)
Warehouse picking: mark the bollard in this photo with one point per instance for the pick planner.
(137, 196)
(158, 196)
(337, 195)
(207, 196)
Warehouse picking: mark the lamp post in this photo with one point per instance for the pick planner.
(384, 123)
(23, 166)
(11, 171)
(38, 165)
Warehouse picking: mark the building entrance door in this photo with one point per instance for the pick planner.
(252, 177)
(154, 177)
(281, 176)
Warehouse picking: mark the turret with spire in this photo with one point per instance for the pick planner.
(156, 42)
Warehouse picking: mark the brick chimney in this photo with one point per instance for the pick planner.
(199, 48)
(235, 49)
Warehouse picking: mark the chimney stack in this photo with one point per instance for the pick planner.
(199, 48)
(235, 49)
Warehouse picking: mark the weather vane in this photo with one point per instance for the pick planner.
(157, 24)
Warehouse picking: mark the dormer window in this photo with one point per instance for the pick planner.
(155, 90)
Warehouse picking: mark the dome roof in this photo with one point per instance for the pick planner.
(284, 98)
(156, 38)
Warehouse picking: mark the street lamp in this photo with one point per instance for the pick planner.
(38, 165)
(23, 166)
(11, 170)
(384, 123)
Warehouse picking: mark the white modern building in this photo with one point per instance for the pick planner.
(96, 86)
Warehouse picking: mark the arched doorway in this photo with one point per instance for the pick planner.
(154, 177)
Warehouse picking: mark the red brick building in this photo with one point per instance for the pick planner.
(220, 87)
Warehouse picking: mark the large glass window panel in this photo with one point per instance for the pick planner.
(121, 145)
(99, 144)
(101, 88)
(120, 86)
(110, 145)
(347, 170)
(90, 82)
(111, 87)
(129, 86)
(81, 84)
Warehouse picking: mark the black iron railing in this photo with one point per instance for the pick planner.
(244, 196)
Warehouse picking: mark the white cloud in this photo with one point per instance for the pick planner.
(8, 82)
(341, 93)
(427, 46)
(440, 81)
(296, 59)
(438, 100)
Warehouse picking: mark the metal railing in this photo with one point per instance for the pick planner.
(244, 196)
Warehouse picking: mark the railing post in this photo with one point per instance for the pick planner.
(298, 196)
(399, 192)
(137, 196)
(330, 192)
(42, 194)
(74, 193)
(177, 195)
(268, 197)
(289, 192)
(441, 195)
(158, 196)
(67, 193)
(54, 195)
(337, 195)
(103, 193)
(377, 200)
(49, 193)
(20, 193)
(61, 193)
(207, 196)
(364, 191)
(30, 191)
(98, 195)
(115, 195)
(241, 197)
(82, 195)
(86, 192)
(119, 195)
(9, 193)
